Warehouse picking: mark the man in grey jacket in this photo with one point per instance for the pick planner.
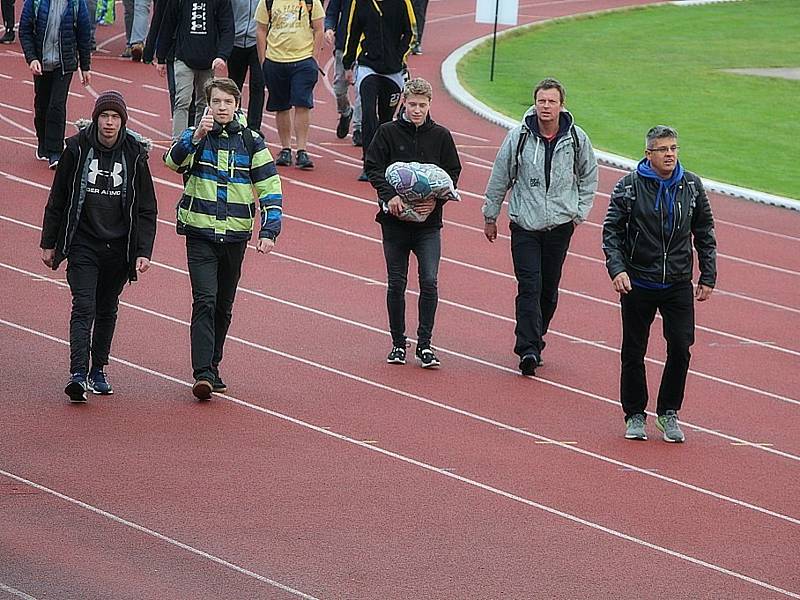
(549, 165)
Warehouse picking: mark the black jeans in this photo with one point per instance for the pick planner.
(9, 20)
(214, 270)
(420, 8)
(538, 259)
(426, 244)
(639, 306)
(240, 61)
(376, 106)
(96, 273)
(50, 109)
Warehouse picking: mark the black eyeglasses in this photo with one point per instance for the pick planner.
(664, 149)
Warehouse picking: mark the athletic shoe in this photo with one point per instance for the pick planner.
(363, 176)
(343, 126)
(8, 38)
(98, 382)
(137, 50)
(284, 158)
(53, 160)
(77, 387)
(41, 154)
(127, 53)
(416, 49)
(357, 139)
(202, 389)
(304, 161)
(634, 429)
(527, 365)
(218, 385)
(427, 359)
(668, 423)
(397, 356)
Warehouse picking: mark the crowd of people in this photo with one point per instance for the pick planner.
(101, 212)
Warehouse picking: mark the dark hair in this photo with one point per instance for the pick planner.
(659, 132)
(223, 84)
(549, 83)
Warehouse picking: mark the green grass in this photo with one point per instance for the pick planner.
(629, 70)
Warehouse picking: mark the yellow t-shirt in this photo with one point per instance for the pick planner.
(290, 36)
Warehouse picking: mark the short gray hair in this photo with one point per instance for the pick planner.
(659, 132)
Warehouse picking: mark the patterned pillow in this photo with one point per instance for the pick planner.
(419, 186)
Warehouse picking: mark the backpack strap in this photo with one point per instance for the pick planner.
(523, 138)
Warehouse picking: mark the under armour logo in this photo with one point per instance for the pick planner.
(95, 170)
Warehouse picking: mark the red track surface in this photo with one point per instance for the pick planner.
(331, 474)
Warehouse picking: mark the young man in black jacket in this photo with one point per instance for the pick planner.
(413, 136)
(654, 216)
(101, 217)
(379, 37)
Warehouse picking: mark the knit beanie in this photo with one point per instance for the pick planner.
(110, 100)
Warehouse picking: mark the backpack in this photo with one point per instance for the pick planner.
(629, 197)
(309, 8)
(523, 138)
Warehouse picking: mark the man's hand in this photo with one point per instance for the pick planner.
(490, 231)
(622, 283)
(205, 125)
(142, 264)
(219, 67)
(703, 292)
(265, 245)
(349, 76)
(161, 69)
(395, 206)
(86, 78)
(35, 67)
(330, 35)
(49, 256)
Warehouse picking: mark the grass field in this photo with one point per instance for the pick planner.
(628, 70)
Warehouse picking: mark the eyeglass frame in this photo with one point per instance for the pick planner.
(664, 149)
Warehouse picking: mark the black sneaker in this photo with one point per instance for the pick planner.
(53, 160)
(528, 364)
(357, 140)
(304, 161)
(416, 49)
(397, 356)
(8, 38)
(202, 389)
(363, 176)
(343, 126)
(427, 359)
(218, 385)
(77, 387)
(98, 382)
(41, 154)
(284, 158)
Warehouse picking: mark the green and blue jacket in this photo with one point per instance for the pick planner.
(224, 175)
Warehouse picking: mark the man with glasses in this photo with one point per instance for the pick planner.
(654, 216)
(549, 165)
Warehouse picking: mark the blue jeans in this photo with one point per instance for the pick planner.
(426, 244)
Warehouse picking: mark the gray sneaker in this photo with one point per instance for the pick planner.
(635, 427)
(668, 423)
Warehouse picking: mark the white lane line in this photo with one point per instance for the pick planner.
(374, 448)
(15, 592)
(111, 77)
(17, 125)
(25, 111)
(782, 236)
(4, 76)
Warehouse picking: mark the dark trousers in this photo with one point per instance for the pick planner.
(8, 14)
(426, 244)
(379, 96)
(96, 273)
(214, 270)
(538, 259)
(50, 109)
(639, 306)
(240, 61)
(420, 8)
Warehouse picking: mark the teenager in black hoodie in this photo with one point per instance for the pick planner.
(412, 137)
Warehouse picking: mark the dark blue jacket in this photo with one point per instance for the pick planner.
(336, 14)
(76, 38)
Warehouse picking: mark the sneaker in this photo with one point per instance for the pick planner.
(98, 382)
(363, 176)
(343, 126)
(397, 356)
(53, 160)
(284, 158)
(304, 161)
(527, 365)
(202, 389)
(137, 50)
(41, 154)
(634, 427)
(8, 38)
(416, 49)
(357, 139)
(668, 423)
(77, 387)
(427, 359)
(218, 385)
(127, 53)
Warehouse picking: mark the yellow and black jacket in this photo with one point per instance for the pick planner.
(379, 34)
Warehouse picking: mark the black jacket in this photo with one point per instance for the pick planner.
(387, 27)
(403, 141)
(65, 204)
(635, 240)
(196, 32)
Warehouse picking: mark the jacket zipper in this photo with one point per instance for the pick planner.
(67, 236)
(130, 216)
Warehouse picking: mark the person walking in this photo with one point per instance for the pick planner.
(225, 166)
(336, 15)
(412, 137)
(655, 215)
(100, 217)
(549, 165)
(9, 21)
(244, 59)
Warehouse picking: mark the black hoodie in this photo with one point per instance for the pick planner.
(387, 27)
(196, 32)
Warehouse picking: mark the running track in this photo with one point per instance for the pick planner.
(327, 473)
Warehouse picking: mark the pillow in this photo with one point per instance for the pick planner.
(419, 186)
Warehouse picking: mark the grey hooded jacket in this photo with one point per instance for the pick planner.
(244, 22)
(531, 204)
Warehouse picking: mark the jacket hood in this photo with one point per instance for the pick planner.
(406, 122)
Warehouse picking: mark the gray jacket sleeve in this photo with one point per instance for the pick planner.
(500, 179)
(587, 177)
